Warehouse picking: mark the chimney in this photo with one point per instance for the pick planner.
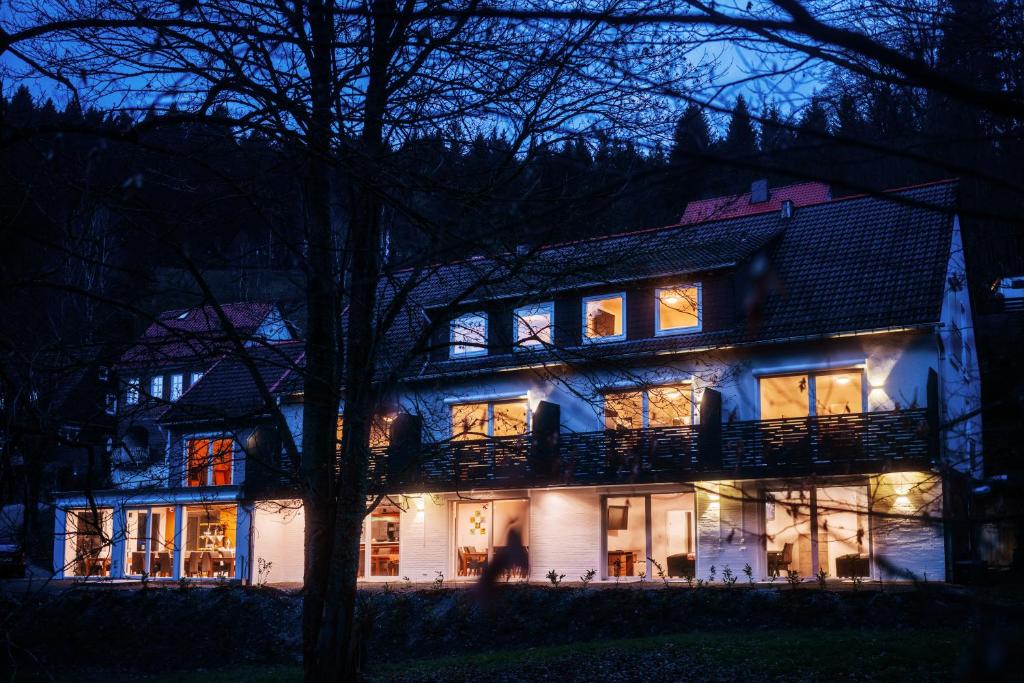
(786, 210)
(759, 191)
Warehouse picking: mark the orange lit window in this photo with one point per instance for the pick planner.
(209, 462)
(380, 430)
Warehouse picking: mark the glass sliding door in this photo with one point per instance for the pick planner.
(210, 541)
(788, 532)
(626, 535)
(149, 542)
(484, 528)
(672, 534)
(842, 520)
(384, 525)
(88, 539)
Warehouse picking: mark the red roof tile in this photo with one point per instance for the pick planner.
(718, 208)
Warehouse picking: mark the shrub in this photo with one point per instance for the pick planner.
(587, 577)
(438, 580)
(711, 574)
(821, 576)
(793, 577)
(555, 578)
(748, 571)
(728, 578)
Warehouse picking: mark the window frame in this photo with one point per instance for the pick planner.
(177, 387)
(645, 401)
(583, 316)
(490, 403)
(209, 438)
(812, 388)
(533, 343)
(658, 331)
(153, 382)
(472, 350)
(132, 391)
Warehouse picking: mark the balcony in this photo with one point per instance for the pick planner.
(828, 444)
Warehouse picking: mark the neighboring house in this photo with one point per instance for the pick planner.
(772, 390)
(162, 368)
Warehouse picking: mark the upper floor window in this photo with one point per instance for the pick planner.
(832, 393)
(380, 430)
(489, 418)
(131, 394)
(110, 404)
(196, 376)
(533, 325)
(468, 335)
(156, 387)
(209, 461)
(678, 309)
(668, 406)
(604, 317)
(177, 386)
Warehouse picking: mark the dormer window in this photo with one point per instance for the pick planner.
(678, 309)
(156, 387)
(532, 325)
(131, 394)
(604, 318)
(468, 335)
(177, 386)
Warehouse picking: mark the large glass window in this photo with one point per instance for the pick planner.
(209, 461)
(89, 537)
(380, 430)
(665, 535)
(210, 541)
(788, 532)
(678, 309)
(668, 406)
(604, 318)
(484, 528)
(384, 526)
(156, 387)
(468, 335)
(177, 386)
(532, 325)
(150, 542)
(833, 393)
(131, 395)
(494, 418)
(626, 529)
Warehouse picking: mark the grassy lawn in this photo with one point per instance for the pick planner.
(758, 655)
(884, 654)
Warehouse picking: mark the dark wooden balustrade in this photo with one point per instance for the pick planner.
(826, 444)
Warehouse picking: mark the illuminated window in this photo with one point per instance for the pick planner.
(604, 318)
(483, 420)
(833, 393)
(469, 335)
(131, 395)
(177, 386)
(655, 407)
(156, 387)
(678, 309)
(209, 461)
(533, 325)
(210, 542)
(380, 430)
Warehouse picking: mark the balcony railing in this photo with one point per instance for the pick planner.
(827, 444)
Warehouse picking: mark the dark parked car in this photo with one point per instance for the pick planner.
(12, 561)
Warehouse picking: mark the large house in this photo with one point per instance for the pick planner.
(782, 382)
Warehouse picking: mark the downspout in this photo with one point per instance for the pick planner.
(947, 486)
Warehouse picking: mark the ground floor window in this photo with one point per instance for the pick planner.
(381, 528)
(810, 530)
(484, 528)
(150, 541)
(210, 541)
(650, 533)
(89, 538)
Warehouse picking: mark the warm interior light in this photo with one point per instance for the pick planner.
(671, 300)
(672, 394)
(843, 379)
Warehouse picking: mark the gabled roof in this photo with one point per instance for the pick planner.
(228, 392)
(734, 206)
(184, 334)
(857, 264)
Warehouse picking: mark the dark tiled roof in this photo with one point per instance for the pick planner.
(183, 334)
(228, 391)
(721, 208)
(855, 264)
